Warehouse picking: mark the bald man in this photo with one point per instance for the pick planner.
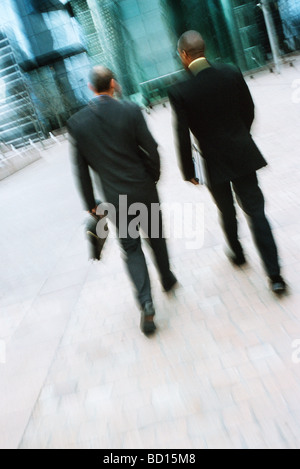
(112, 138)
(215, 104)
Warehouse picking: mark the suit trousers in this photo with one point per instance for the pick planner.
(134, 255)
(250, 198)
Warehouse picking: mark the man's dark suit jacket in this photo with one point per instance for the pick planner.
(216, 105)
(112, 138)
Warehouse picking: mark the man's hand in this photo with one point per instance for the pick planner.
(93, 212)
(195, 181)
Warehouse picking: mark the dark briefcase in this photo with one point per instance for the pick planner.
(95, 243)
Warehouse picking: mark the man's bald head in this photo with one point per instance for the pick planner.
(193, 44)
(101, 79)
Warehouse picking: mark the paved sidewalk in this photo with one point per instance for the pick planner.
(76, 372)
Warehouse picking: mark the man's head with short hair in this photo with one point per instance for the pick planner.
(191, 46)
(102, 80)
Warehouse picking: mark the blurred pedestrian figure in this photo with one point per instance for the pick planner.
(216, 105)
(112, 138)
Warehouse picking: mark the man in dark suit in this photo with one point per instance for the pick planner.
(215, 104)
(112, 138)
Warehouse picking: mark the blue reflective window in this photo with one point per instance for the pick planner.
(129, 8)
(148, 5)
(142, 47)
(153, 22)
(37, 23)
(44, 43)
(136, 28)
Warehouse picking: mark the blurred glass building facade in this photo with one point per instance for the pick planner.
(47, 48)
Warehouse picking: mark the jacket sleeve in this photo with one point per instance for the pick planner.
(182, 137)
(246, 102)
(82, 174)
(147, 146)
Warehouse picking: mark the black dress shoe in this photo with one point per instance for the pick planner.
(238, 260)
(147, 319)
(278, 285)
(170, 283)
(95, 243)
